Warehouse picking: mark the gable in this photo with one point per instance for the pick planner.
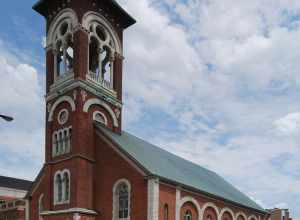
(113, 166)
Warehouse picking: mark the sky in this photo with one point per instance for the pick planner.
(216, 82)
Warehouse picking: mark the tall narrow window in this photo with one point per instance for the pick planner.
(58, 188)
(121, 200)
(188, 215)
(166, 212)
(101, 56)
(68, 140)
(64, 53)
(66, 186)
(69, 54)
(59, 59)
(62, 140)
(94, 53)
(62, 187)
(55, 144)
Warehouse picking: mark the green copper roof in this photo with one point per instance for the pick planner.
(166, 165)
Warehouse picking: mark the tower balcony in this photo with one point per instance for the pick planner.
(99, 81)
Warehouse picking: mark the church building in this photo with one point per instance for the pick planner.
(93, 169)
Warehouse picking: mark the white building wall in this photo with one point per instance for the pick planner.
(14, 193)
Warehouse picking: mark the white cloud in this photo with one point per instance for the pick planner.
(226, 74)
(289, 124)
(20, 97)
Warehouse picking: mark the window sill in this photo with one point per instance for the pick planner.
(62, 203)
(62, 155)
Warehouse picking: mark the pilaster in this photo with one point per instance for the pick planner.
(153, 199)
(177, 209)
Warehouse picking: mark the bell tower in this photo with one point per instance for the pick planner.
(84, 56)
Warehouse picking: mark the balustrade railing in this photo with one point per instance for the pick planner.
(97, 78)
(11, 204)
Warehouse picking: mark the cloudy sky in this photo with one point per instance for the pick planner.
(216, 82)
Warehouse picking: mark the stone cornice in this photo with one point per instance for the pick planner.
(72, 210)
(72, 84)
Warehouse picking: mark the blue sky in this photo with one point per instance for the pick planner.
(216, 82)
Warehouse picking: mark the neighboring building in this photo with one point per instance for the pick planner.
(280, 214)
(13, 206)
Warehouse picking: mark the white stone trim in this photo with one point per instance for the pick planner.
(72, 210)
(177, 208)
(252, 216)
(96, 101)
(102, 114)
(86, 85)
(115, 212)
(27, 205)
(241, 214)
(62, 16)
(59, 114)
(40, 206)
(211, 205)
(194, 202)
(57, 102)
(226, 209)
(153, 199)
(92, 16)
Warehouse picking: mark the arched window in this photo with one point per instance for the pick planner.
(123, 197)
(188, 215)
(166, 212)
(66, 186)
(121, 200)
(63, 50)
(62, 187)
(100, 117)
(101, 55)
(58, 188)
(62, 140)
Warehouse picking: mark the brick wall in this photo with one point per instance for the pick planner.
(111, 167)
(168, 196)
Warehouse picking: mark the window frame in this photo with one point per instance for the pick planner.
(116, 199)
(61, 142)
(63, 187)
(109, 45)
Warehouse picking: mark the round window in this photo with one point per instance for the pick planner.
(63, 116)
(100, 117)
